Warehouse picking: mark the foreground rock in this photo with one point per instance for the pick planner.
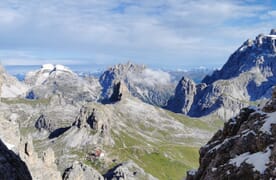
(11, 166)
(244, 149)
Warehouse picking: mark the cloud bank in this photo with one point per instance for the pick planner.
(160, 32)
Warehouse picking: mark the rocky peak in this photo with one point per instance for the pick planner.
(151, 86)
(87, 118)
(119, 91)
(247, 57)
(117, 73)
(184, 96)
(244, 149)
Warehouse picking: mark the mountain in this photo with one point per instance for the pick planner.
(246, 78)
(243, 149)
(151, 86)
(126, 138)
(10, 86)
(61, 81)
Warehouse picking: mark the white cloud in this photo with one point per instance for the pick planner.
(150, 77)
(166, 31)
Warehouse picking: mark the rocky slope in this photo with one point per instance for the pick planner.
(61, 81)
(10, 86)
(153, 87)
(243, 149)
(248, 76)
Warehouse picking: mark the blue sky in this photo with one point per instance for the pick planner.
(157, 32)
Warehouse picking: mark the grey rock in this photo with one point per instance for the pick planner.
(128, 171)
(184, 96)
(43, 123)
(79, 171)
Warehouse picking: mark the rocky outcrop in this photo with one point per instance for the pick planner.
(127, 171)
(244, 149)
(79, 171)
(41, 168)
(151, 86)
(43, 123)
(91, 127)
(11, 165)
(119, 90)
(184, 96)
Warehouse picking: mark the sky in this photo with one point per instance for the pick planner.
(168, 33)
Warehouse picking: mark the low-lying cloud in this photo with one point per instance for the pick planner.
(150, 77)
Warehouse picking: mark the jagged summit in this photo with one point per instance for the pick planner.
(248, 76)
(186, 88)
(151, 86)
(258, 54)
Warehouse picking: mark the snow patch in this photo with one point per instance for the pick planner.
(258, 160)
(192, 172)
(266, 128)
(271, 36)
(49, 67)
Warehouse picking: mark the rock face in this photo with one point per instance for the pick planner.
(79, 171)
(91, 127)
(43, 123)
(248, 75)
(244, 149)
(119, 91)
(153, 87)
(61, 81)
(127, 171)
(41, 168)
(186, 89)
(11, 166)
